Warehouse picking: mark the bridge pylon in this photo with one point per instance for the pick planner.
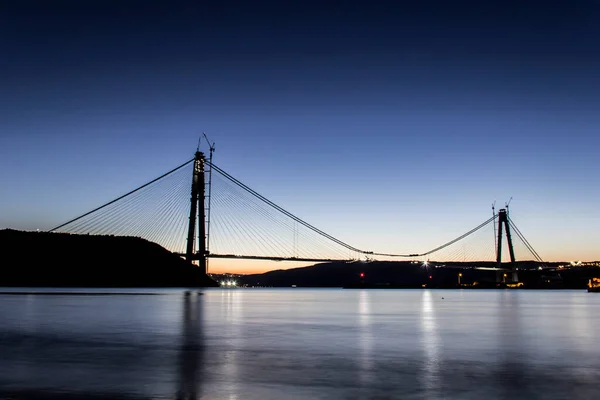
(504, 223)
(197, 215)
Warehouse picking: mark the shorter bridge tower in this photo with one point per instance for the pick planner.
(503, 222)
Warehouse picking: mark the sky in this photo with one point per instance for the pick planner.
(391, 126)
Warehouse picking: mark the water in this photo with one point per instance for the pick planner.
(297, 343)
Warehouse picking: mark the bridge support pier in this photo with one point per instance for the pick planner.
(197, 215)
(501, 276)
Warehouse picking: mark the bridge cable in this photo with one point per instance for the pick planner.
(458, 238)
(285, 212)
(121, 197)
(525, 241)
(270, 216)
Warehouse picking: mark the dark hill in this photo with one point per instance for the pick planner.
(406, 274)
(64, 260)
(339, 274)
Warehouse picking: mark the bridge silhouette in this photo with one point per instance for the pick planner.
(221, 217)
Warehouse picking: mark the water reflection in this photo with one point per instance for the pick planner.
(232, 314)
(191, 353)
(301, 344)
(431, 344)
(581, 332)
(366, 360)
(511, 376)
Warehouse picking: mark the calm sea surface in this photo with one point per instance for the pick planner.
(301, 344)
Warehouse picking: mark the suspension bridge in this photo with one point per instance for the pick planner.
(201, 212)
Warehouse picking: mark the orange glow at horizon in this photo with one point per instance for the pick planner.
(243, 267)
(222, 266)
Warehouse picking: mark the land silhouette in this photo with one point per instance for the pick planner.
(41, 259)
(406, 274)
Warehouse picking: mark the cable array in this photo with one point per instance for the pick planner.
(157, 211)
(480, 244)
(246, 224)
(524, 243)
(476, 245)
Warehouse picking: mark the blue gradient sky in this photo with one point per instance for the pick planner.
(392, 127)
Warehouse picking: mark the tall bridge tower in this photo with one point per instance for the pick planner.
(504, 223)
(197, 215)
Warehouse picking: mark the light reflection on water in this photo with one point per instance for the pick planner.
(430, 343)
(365, 361)
(295, 343)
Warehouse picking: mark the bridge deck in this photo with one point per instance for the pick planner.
(268, 258)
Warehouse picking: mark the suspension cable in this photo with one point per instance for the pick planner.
(338, 241)
(459, 238)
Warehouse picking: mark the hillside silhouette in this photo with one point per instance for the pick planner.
(406, 274)
(40, 259)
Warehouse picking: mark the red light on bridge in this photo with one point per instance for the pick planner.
(430, 277)
(362, 274)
